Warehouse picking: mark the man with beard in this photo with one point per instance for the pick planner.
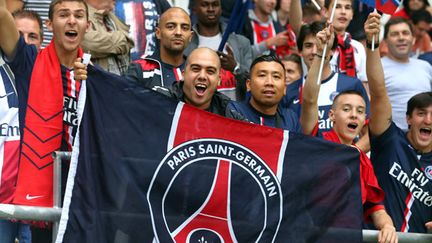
(164, 67)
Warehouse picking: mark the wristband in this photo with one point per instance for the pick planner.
(369, 45)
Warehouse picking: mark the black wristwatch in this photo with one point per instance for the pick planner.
(369, 45)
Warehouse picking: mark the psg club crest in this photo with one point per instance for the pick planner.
(428, 172)
(212, 190)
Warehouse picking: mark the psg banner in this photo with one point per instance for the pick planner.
(149, 169)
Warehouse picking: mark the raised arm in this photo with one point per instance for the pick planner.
(8, 32)
(295, 16)
(380, 107)
(309, 111)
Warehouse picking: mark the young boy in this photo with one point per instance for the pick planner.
(348, 114)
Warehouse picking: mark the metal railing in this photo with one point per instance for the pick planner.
(58, 157)
(9, 211)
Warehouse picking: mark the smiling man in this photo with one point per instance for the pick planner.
(267, 87)
(164, 66)
(402, 160)
(399, 69)
(198, 88)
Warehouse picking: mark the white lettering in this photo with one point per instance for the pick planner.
(409, 181)
(394, 168)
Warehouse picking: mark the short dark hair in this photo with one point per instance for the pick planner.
(266, 58)
(29, 14)
(421, 100)
(56, 2)
(312, 29)
(421, 15)
(407, 8)
(294, 58)
(346, 92)
(395, 21)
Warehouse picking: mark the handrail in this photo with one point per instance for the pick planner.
(58, 157)
(9, 211)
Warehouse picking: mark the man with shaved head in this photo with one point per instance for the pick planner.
(198, 88)
(164, 66)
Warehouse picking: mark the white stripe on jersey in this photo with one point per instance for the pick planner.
(178, 72)
(73, 84)
(409, 213)
(149, 74)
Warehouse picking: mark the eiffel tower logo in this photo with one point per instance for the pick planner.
(212, 219)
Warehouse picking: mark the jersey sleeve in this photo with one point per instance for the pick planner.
(22, 65)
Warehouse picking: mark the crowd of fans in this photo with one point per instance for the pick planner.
(362, 91)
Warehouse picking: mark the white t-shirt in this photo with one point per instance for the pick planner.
(359, 57)
(404, 80)
(211, 42)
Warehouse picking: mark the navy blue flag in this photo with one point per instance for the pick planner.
(152, 169)
(236, 20)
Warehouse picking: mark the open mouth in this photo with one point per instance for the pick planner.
(425, 131)
(71, 33)
(352, 126)
(200, 89)
(268, 92)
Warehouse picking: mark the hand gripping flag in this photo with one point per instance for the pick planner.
(150, 169)
(385, 6)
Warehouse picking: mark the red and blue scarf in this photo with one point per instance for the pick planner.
(43, 131)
